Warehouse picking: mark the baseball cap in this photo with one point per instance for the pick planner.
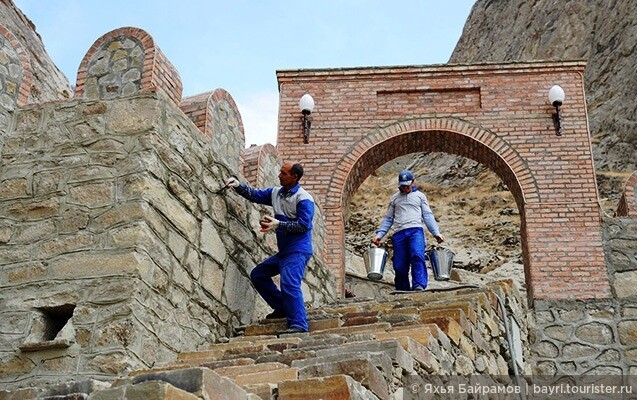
(405, 178)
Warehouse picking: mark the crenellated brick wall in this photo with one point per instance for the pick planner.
(261, 165)
(124, 62)
(496, 114)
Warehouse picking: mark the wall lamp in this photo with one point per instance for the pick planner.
(306, 105)
(556, 97)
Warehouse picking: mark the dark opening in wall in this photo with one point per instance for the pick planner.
(55, 318)
(46, 326)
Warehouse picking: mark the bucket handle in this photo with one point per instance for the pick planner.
(381, 246)
(434, 247)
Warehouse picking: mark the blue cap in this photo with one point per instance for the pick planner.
(405, 178)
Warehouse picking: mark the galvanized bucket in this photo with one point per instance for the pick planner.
(441, 260)
(375, 259)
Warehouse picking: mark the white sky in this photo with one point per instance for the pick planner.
(238, 45)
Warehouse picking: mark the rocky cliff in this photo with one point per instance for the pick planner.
(602, 32)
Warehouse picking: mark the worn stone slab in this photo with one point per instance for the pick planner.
(265, 391)
(449, 326)
(425, 357)
(219, 353)
(468, 348)
(361, 370)
(363, 313)
(421, 333)
(435, 331)
(315, 341)
(152, 390)
(392, 348)
(269, 329)
(202, 382)
(456, 314)
(234, 371)
(402, 310)
(361, 320)
(326, 323)
(491, 323)
(172, 366)
(382, 326)
(467, 307)
(380, 360)
(253, 342)
(225, 363)
(334, 387)
(268, 376)
(479, 340)
(287, 357)
(252, 338)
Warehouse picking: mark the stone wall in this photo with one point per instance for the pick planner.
(118, 250)
(594, 337)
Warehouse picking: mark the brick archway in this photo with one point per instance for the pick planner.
(450, 136)
(496, 114)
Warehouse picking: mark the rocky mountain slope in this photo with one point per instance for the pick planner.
(602, 32)
(475, 210)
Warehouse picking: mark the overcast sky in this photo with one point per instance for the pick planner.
(238, 45)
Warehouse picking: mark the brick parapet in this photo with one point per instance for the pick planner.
(217, 117)
(132, 62)
(261, 165)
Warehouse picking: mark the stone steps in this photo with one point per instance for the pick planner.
(356, 349)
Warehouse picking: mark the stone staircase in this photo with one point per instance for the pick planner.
(356, 349)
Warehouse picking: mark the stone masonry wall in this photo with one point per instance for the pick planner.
(118, 251)
(593, 337)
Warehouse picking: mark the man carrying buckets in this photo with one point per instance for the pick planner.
(408, 209)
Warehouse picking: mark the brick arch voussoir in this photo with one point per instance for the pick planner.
(158, 73)
(26, 81)
(522, 184)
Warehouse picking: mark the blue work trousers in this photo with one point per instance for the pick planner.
(289, 298)
(409, 249)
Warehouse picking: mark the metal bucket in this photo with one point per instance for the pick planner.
(441, 260)
(375, 259)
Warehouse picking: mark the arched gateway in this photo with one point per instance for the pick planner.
(496, 114)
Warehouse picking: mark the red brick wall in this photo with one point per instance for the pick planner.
(496, 114)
